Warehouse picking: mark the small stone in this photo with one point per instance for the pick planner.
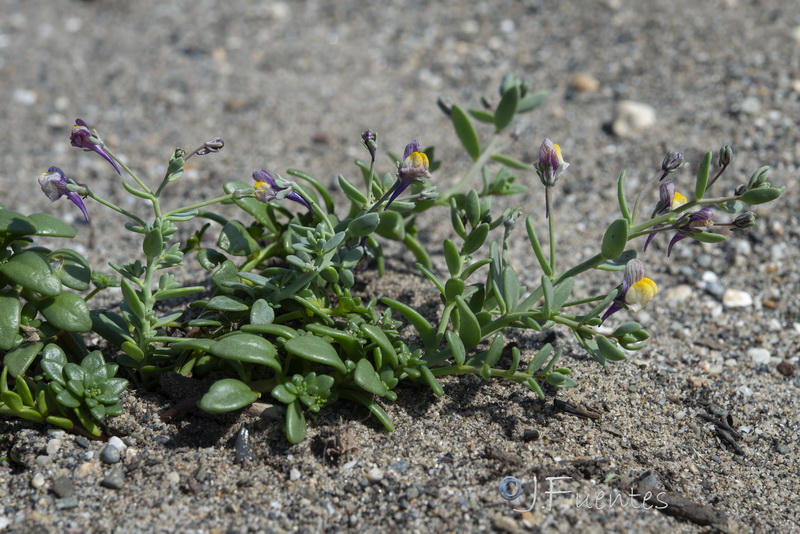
(796, 34)
(83, 442)
(584, 82)
(759, 355)
(632, 118)
(787, 368)
(782, 448)
(67, 503)
(715, 289)
(530, 434)
(172, 478)
(736, 298)
(750, 106)
(294, 474)
(62, 486)
(53, 446)
(114, 441)
(400, 466)
(110, 454)
(504, 523)
(37, 481)
(114, 480)
(412, 493)
(679, 293)
(745, 391)
(698, 381)
(85, 469)
(375, 475)
(26, 97)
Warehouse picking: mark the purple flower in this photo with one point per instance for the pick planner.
(267, 189)
(637, 290)
(669, 199)
(82, 138)
(551, 165)
(691, 224)
(54, 184)
(415, 165)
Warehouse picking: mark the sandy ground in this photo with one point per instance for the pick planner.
(292, 85)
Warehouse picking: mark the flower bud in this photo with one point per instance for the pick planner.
(745, 220)
(725, 156)
(214, 145)
(672, 162)
(369, 140)
(445, 105)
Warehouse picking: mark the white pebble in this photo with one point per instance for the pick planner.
(294, 474)
(26, 97)
(750, 106)
(375, 475)
(744, 390)
(37, 481)
(173, 477)
(117, 443)
(53, 446)
(632, 118)
(679, 293)
(759, 355)
(736, 298)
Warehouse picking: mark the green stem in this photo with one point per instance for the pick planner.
(476, 166)
(551, 228)
(116, 208)
(198, 205)
(132, 174)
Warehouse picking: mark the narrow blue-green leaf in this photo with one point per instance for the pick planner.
(456, 347)
(537, 247)
(761, 195)
(609, 349)
(702, 176)
(379, 337)
(466, 132)
(351, 192)
(482, 115)
(429, 379)
(531, 101)
(452, 257)
(495, 351)
(615, 239)
(622, 198)
(475, 239)
(469, 329)
(419, 322)
(506, 109)
(511, 287)
(541, 357)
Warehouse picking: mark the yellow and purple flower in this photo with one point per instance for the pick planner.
(54, 184)
(415, 166)
(82, 137)
(691, 224)
(550, 168)
(267, 189)
(637, 290)
(669, 199)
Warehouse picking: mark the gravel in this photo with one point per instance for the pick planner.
(292, 85)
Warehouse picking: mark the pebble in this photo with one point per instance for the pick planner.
(172, 478)
(715, 289)
(504, 523)
(62, 486)
(786, 368)
(110, 454)
(375, 475)
(750, 106)
(37, 481)
(53, 446)
(679, 293)
(114, 441)
(584, 82)
(412, 493)
(294, 474)
(745, 391)
(114, 480)
(759, 355)
(736, 298)
(83, 442)
(67, 502)
(632, 118)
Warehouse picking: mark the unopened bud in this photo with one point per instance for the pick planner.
(725, 156)
(214, 145)
(369, 140)
(445, 105)
(758, 178)
(745, 220)
(672, 162)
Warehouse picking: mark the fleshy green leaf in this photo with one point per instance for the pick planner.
(67, 311)
(13, 223)
(702, 176)
(234, 239)
(379, 337)
(466, 132)
(227, 395)
(315, 349)
(367, 379)
(513, 163)
(249, 348)
(456, 347)
(363, 225)
(419, 322)
(261, 312)
(506, 109)
(71, 268)
(19, 359)
(761, 195)
(295, 423)
(10, 308)
(31, 271)
(531, 101)
(615, 239)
